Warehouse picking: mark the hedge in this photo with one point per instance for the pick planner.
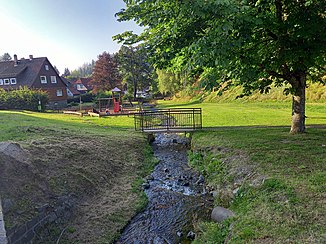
(23, 98)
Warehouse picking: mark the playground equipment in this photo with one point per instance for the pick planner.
(105, 104)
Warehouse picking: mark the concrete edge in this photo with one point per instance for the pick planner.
(3, 235)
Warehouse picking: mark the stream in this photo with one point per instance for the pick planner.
(176, 195)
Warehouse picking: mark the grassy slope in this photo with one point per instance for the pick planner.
(288, 202)
(99, 160)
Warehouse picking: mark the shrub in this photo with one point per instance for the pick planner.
(23, 98)
(86, 98)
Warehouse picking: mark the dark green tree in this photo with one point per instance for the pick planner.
(135, 69)
(56, 69)
(85, 70)
(251, 43)
(5, 57)
(66, 72)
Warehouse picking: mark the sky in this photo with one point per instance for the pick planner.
(68, 32)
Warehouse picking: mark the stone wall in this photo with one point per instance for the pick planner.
(40, 226)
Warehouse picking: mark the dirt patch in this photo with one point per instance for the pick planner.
(97, 172)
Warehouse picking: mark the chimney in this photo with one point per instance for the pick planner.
(15, 60)
(30, 57)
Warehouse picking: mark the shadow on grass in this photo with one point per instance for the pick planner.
(212, 128)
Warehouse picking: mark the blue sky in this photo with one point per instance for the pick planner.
(68, 32)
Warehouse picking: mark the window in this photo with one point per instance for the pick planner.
(1, 81)
(53, 79)
(13, 81)
(80, 87)
(43, 79)
(46, 67)
(59, 93)
(6, 81)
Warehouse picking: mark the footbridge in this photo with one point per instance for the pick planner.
(168, 120)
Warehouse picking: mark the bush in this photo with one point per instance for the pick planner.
(23, 98)
(86, 98)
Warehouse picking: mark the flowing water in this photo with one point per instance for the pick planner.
(176, 196)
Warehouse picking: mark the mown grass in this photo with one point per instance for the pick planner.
(16, 125)
(251, 113)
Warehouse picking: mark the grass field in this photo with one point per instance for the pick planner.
(251, 113)
(15, 123)
(275, 182)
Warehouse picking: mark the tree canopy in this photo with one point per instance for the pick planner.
(5, 57)
(133, 65)
(252, 43)
(85, 70)
(168, 82)
(105, 74)
(66, 72)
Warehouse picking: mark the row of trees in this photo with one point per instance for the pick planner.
(129, 67)
(250, 43)
(85, 70)
(5, 57)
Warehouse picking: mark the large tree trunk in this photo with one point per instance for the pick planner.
(298, 104)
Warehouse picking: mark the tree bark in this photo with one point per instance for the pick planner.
(299, 104)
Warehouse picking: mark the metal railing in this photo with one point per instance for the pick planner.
(169, 120)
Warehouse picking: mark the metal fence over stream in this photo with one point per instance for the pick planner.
(168, 120)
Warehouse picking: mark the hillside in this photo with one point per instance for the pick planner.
(314, 93)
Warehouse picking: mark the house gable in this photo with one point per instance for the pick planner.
(34, 73)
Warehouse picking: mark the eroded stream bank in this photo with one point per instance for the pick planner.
(176, 194)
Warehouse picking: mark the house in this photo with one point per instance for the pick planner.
(34, 73)
(83, 85)
(71, 91)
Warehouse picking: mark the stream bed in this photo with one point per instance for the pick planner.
(176, 195)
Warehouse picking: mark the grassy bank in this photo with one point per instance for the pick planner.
(98, 161)
(273, 181)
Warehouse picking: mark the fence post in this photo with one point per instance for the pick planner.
(142, 121)
(193, 119)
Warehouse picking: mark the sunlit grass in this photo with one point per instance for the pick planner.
(251, 113)
(15, 124)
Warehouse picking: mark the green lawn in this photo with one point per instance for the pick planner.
(16, 124)
(251, 113)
